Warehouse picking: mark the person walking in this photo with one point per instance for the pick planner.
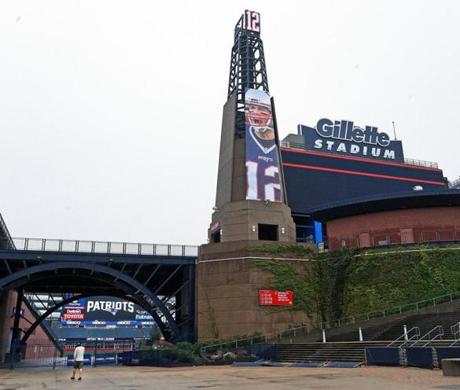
(78, 359)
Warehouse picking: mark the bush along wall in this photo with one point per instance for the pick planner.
(349, 282)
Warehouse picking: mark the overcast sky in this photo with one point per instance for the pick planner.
(110, 111)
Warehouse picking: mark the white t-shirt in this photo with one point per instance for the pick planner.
(79, 353)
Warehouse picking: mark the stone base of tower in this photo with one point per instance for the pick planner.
(243, 221)
(227, 293)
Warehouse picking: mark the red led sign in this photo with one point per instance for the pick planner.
(276, 298)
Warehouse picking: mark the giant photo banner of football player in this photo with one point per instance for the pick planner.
(262, 162)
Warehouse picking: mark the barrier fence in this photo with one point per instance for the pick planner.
(47, 355)
(388, 238)
(101, 247)
(422, 357)
(349, 320)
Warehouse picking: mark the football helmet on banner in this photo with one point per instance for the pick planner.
(258, 111)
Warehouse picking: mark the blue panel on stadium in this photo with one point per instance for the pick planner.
(257, 363)
(307, 364)
(86, 361)
(338, 364)
(446, 353)
(382, 356)
(325, 175)
(420, 357)
(105, 359)
(263, 351)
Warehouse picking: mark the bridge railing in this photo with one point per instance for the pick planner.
(107, 247)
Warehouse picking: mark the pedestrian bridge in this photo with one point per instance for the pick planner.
(150, 275)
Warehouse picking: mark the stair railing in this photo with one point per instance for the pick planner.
(306, 329)
(434, 334)
(410, 335)
(455, 330)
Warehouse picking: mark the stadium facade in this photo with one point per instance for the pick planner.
(348, 190)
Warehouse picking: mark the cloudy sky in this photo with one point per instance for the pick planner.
(110, 111)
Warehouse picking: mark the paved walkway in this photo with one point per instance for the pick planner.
(236, 378)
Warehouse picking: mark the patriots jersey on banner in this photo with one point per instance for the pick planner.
(262, 169)
(262, 163)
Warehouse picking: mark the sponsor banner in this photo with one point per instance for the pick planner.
(107, 323)
(104, 311)
(276, 298)
(344, 137)
(262, 162)
(74, 310)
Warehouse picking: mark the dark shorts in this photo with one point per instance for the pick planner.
(77, 365)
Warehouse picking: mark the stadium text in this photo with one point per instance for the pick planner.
(345, 130)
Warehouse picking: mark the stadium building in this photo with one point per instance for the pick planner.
(349, 185)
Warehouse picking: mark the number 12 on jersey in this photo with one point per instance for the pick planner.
(263, 183)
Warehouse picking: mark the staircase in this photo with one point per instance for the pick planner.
(425, 322)
(321, 352)
(389, 330)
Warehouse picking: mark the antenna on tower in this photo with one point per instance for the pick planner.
(394, 130)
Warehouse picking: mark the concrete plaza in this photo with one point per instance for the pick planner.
(227, 377)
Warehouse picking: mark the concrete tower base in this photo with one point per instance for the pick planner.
(227, 293)
(241, 220)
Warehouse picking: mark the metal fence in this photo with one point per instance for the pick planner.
(103, 247)
(349, 320)
(295, 143)
(455, 184)
(382, 239)
(420, 163)
(47, 355)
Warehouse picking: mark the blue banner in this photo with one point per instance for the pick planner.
(381, 356)
(262, 162)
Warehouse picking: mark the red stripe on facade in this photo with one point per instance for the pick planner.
(362, 159)
(376, 175)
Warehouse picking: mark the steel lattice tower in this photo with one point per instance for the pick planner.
(237, 217)
(247, 63)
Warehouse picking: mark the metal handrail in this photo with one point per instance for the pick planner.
(288, 143)
(406, 337)
(4, 228)
(420, 163)
(455, 330)
(427, 338)
(455, 184)
(305, 329)
(102, 247)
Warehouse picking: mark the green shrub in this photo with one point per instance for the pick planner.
(185, 351)
(349, 282)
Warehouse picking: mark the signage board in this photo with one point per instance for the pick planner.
(104, 310)
(252, 21)
(262, 161)
(276, 298)
(344, 137)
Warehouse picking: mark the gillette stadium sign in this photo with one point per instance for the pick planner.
(344, 137)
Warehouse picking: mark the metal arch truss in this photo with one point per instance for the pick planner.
(247, 64)
(140, 283)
